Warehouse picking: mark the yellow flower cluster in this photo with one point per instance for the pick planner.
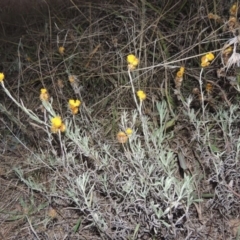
(74, 105)
(141, 95)
(44, 96)
(133, 61)
(179, 77)
(2, 77)
(122, 137)
(206, 59)
(57, 125)
(180, 72)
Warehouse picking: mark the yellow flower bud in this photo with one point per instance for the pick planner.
(71, 78)
(122, 137)
(44, 96)
(61, 50)
(129, 131)
(2, 77)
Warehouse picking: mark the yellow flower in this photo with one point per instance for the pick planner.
(56, 122)
(71, 78)
(132, 61)
(210, 56)
(129, 131)
(44, 96)
(74, 105)
(179, 78)
(2, 77)
(209, 88)
(233, 9)
(206, 59)
(61, 50)
(141, 95)
(57, 125)
(74, 111)
(204, 62)
(122, 137)
(180, 72)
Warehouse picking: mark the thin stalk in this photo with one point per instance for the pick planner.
(134, 94)
(201, 91)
